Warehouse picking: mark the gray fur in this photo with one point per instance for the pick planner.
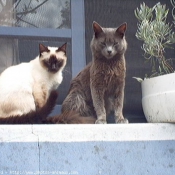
(99, 88)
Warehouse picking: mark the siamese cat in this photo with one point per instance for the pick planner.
(26, 88)
(99, 88)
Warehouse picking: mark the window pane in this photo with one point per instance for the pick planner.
(8, 54)
(112, 13)
(36, 13)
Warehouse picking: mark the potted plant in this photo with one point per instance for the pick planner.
(158, 87)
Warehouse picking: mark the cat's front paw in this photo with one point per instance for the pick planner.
(100, 121)
(122, 121)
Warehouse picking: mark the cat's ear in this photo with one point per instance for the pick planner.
(63, 48)
(122, 29)
(97, 29)
(42, 49)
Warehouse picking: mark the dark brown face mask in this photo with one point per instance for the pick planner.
(53, 64)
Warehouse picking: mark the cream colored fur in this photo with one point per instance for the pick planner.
(26, 86)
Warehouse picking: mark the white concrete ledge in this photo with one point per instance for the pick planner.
(121, 149)
(81, 133)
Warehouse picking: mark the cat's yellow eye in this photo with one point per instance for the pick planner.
(115, 43)
(103, 43)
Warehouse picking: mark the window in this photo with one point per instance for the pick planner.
(24, 24)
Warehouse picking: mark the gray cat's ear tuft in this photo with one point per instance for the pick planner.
(42, 49)
(63, 48)
(97, 29)
(122, 29)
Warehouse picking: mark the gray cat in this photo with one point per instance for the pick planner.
(99, 88)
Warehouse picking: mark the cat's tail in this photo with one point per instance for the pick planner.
(34, 117)
(70, 117)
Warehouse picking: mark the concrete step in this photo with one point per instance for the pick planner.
(112, 149)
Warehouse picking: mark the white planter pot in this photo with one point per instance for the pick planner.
(158, 98)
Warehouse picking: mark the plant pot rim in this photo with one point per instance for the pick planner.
(160, 76)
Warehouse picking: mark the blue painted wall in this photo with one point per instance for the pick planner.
(88, 158)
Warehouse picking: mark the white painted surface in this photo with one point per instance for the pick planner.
(81, 133)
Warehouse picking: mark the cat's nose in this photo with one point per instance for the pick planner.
(109, 52)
